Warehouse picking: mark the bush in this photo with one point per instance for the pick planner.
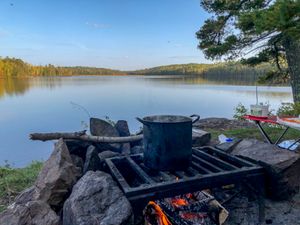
(15, 180)
(289, 109)
(240, 111)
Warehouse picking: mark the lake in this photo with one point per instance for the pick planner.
(49, 104)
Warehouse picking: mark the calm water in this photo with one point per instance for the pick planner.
(50, 104)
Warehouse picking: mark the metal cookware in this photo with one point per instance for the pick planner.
(167, 141)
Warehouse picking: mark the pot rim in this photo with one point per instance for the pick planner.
(159, 119)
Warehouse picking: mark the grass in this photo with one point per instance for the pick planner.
(15, 180)
(273, 131)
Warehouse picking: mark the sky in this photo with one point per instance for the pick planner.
(117, 34)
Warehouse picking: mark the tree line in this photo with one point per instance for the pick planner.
(227, 71)
(11, 67)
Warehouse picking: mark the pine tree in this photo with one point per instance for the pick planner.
(257, 31)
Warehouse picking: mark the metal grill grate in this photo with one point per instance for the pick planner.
(209, 168)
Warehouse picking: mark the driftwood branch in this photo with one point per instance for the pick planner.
(81, 135)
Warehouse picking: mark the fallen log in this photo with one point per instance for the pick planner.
(81, 135)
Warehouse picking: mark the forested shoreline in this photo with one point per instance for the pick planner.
(12, 67)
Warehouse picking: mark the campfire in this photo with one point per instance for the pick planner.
(198, 208)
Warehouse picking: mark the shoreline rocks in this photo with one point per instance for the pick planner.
(282, 166)
(57, 177)
(30, 213)
(60, 196)
(96, 199)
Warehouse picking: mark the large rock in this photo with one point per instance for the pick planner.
(122, 128)
(57, 177)
(228, 146)
(77, 147)
(25, 196)
(282, 166)
(31, 213)
(92, 161)
(78, 161)
(103, 128)
(222, 124)
(125, 148)
(96, 199)
(200, 137)
(100, 127)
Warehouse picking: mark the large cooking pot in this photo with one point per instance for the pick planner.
(167, 141)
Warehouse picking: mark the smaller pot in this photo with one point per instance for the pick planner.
(167, 141)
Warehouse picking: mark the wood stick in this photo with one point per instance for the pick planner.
(81, 135)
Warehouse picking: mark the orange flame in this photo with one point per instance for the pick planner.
(177, 202)
(162, 218)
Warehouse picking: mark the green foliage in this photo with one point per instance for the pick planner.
(240, 24)
(239, 111)
(218, 71)
(263, 28)
(13, 181)
(289, 109)
(11, 67)
(177, 69)
(273, 132)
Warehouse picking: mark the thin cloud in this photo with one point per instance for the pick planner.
(98, 25)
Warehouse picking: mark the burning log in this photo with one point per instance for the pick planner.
(155, 216)
(196, 208)
(81, 135)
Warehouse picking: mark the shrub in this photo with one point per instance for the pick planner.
(289, 109)
(240, 111)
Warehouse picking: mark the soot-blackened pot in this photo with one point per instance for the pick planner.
(167, 141)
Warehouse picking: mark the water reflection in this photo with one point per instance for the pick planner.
(19, 86)
(12, 86)
(43, 104)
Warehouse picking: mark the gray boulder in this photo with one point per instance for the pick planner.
(77, 147)
(200, 137)
(123, 129)
(125, 148)
(282, 166)
(96, 200)
(92, 161)
(228, 146)
(222, 124)
(103, 128)
(31, 213)
(57, 177)
(100, 127)
(25, 196)
(78, 161)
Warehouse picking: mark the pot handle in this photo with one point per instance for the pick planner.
(142, 121)
(197, 118)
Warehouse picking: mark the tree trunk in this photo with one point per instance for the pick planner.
(292, 48)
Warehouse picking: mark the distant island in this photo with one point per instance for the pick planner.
(12, 67)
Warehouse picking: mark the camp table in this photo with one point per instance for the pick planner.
(286, 122)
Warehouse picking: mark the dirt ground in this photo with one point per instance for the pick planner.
(243, 211)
